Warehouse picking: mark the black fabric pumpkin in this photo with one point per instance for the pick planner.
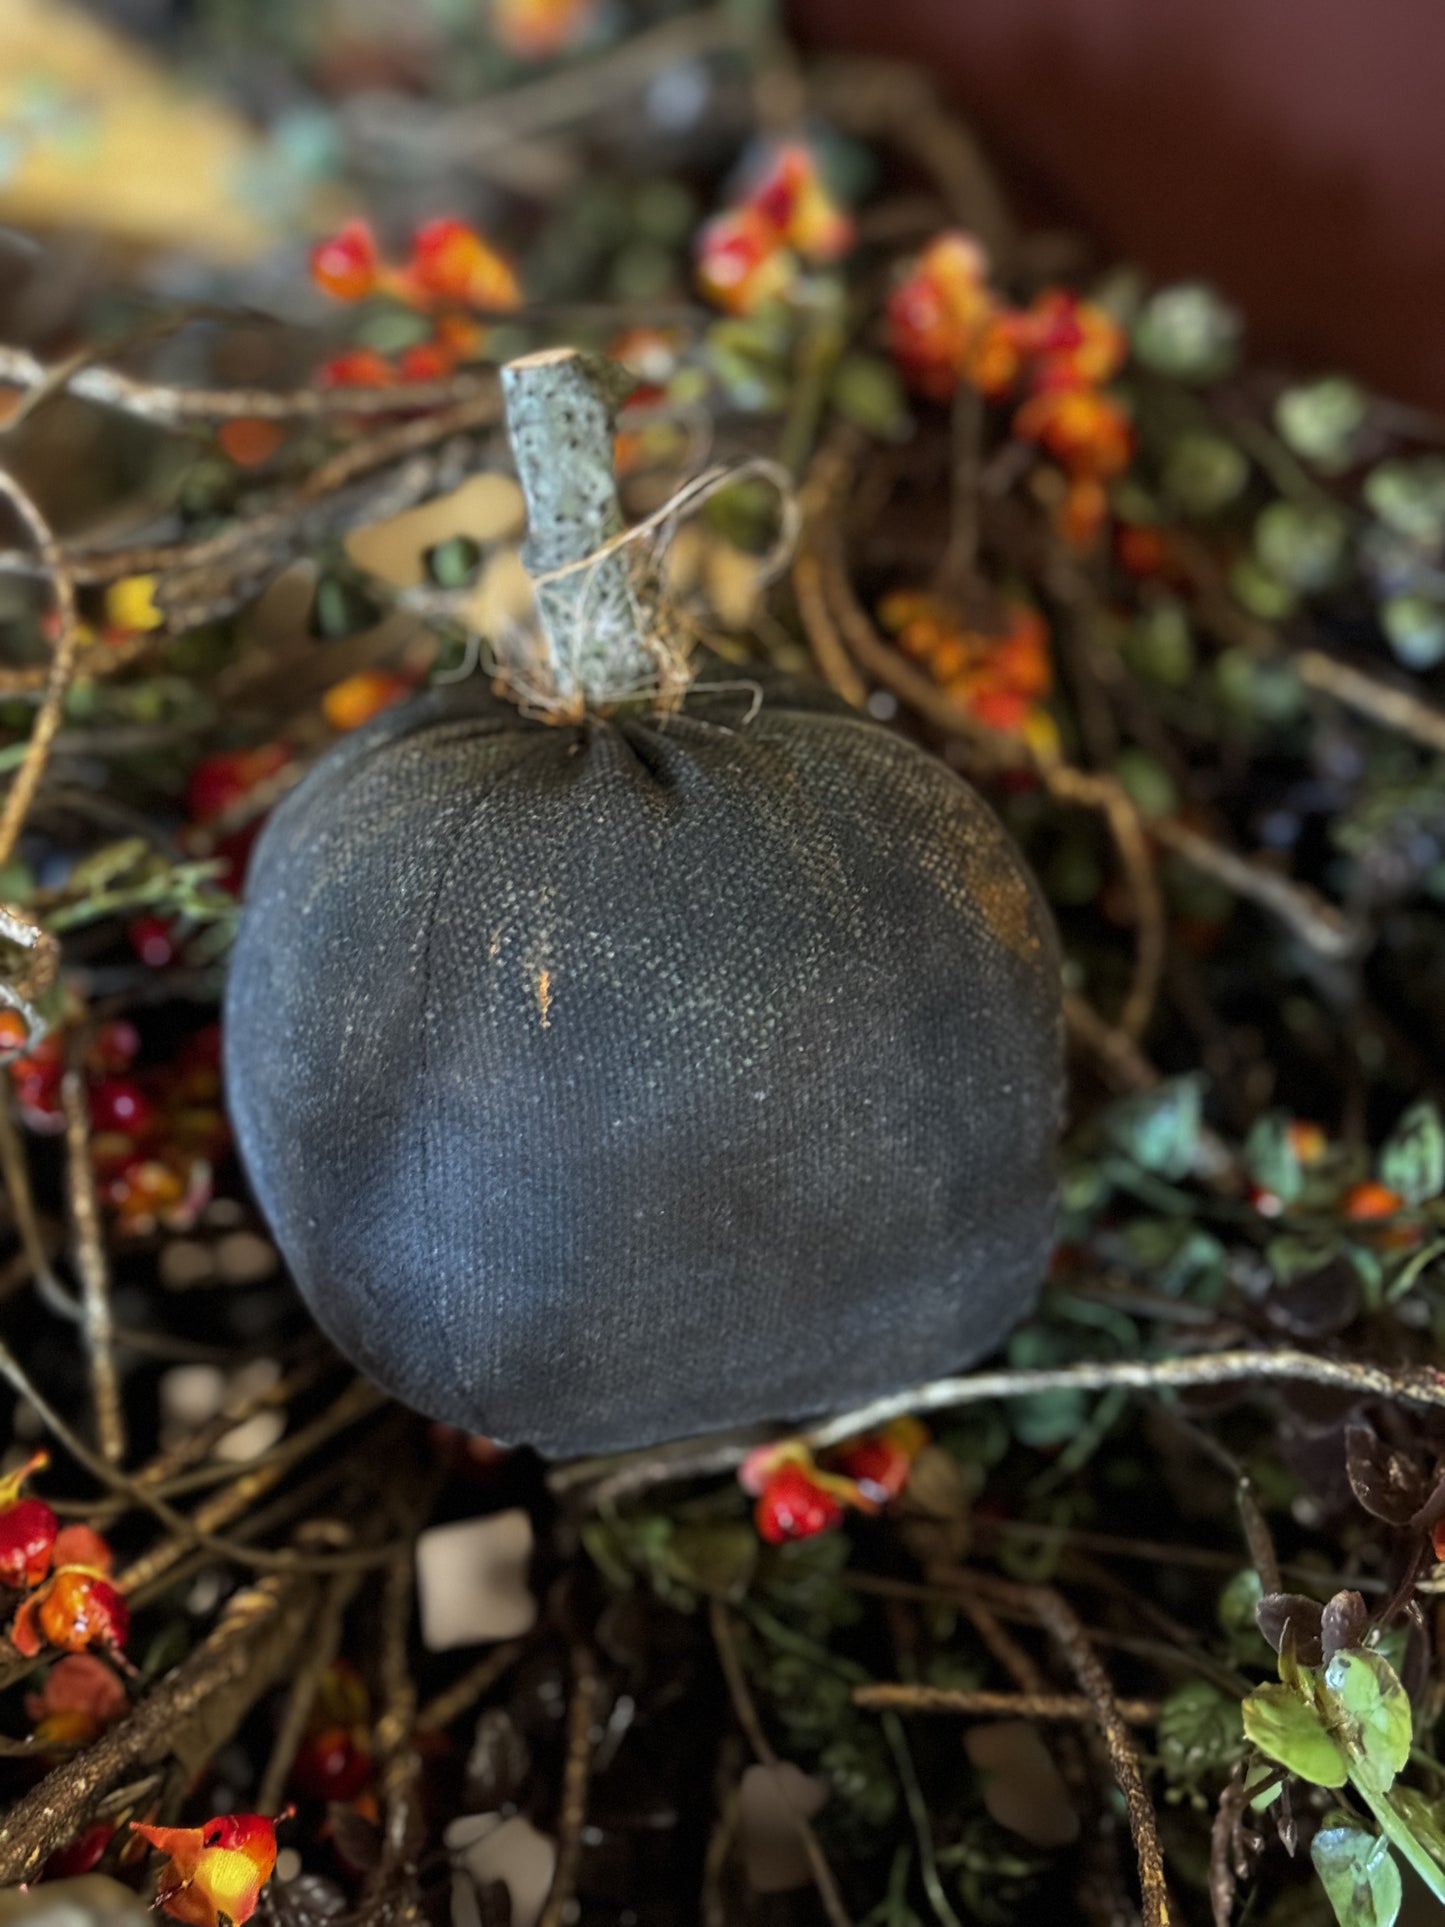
(618, 1080)
(609, 1083)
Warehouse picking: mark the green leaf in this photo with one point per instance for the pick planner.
(1414, 627)
(1413, 1159)
(1369, 1714)
(867, 392)
(1359, 1876)
(1200, 1729)
(1302, 544)
(1424, 1818)
(1321, 421)
(1160, 644)
(1409, 498)
(1272, 1159)
(1159, 1129)
(1204, 473)
(1288, 1729)
(1188, 331)
(1148, 783)
(714, 1559)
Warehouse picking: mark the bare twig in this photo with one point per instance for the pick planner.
(1064, 1627)
(21, 793)
(168, 406)
(458, 1698)
(1318, 923)
(720, 1621)
(92, 1268)
(1398, 709)
(393, 1739)
(905, 1697)
(835, 665)
(322, 1646)
(629, 1473)
(581, 1742)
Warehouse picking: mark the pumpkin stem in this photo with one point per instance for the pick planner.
(603, 634)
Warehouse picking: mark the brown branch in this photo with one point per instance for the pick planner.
(322, 1646)
(398, 1767)
(97, 1326)
(167, 406)
(835, 665)
(720, 1620)
(1066, 1630)
(1398, 709)
(1318, 923)
(902, 1696)
(458, 1698)
(257, 1632)
(21, 793)
(581, 1744)
(15, 1171)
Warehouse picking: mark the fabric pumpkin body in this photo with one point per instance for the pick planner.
(610, 1083)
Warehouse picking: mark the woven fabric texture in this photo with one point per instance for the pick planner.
(614, 1083)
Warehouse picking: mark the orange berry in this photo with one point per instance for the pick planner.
(1307, 1140)
(250, 440)
(358, 368)
(452, 262)
(345, 266)
(1368, 1200)
(741, 264)
(354, 701)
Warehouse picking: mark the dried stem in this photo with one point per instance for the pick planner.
(398, 1767)
(611, 1479)
(170, 407)
(92, 1268)
(321, 1648)
(600, 635)
(581, 1744)
(903, 1696)
(21, 793)
(720, 1621)
(458, 1698)
(1065, 1628)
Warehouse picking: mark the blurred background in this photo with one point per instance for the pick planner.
(1290, 154)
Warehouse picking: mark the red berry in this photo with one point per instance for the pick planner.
(792, 1507)
(345, 265)
(115, 1047)
(879, 1466)
(27, 1540)
(425, 361)
(83, 1854)
(358, 368)
(331, 1766)
(153, 940)
(119, 1104)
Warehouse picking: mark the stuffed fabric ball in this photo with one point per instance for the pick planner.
(645, 1075)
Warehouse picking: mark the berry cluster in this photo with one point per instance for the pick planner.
(450, 274)
(797, 1498)
(946, 325)
(156, 1134)
(758, 251)
(1000, 676)
(64, 1573)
